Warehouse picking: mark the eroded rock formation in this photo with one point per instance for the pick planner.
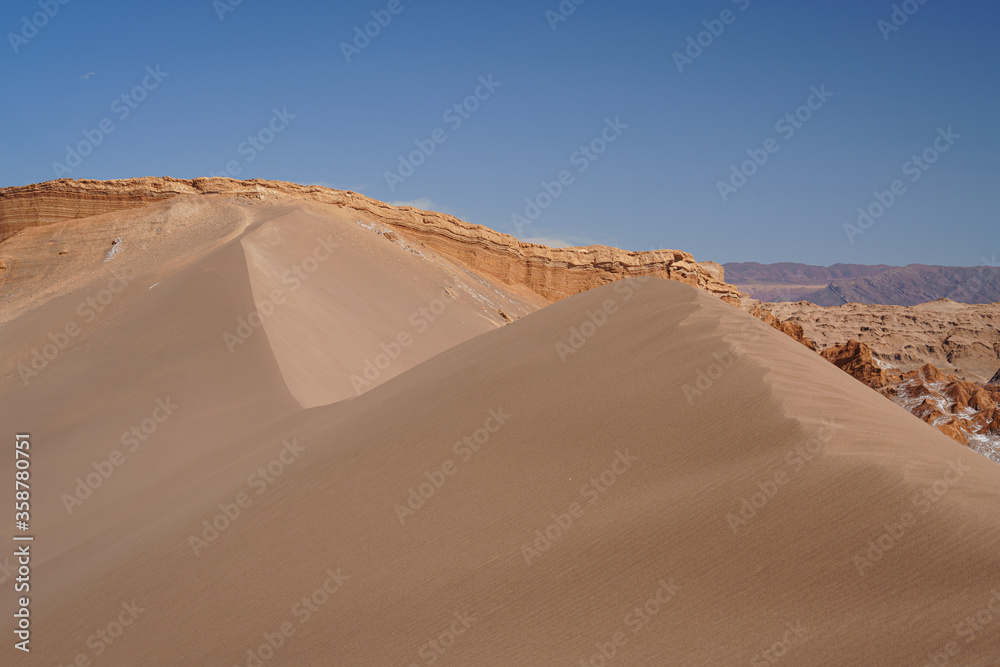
(554, 273)
(855, 358)
(960, 339)
(964, 411)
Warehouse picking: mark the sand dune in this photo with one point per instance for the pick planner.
(640, 474)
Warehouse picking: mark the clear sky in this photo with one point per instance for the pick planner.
(269, 90)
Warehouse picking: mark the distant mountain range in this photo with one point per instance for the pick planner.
(859, 283)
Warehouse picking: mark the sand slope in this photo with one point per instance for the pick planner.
(631, 442)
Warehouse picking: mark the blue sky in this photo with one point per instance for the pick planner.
(671, 133)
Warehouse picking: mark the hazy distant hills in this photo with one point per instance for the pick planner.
(846, 283)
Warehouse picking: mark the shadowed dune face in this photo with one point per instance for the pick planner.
(143, 375)
(639, 470)
(346, 309)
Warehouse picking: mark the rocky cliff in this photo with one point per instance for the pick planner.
(554, 273)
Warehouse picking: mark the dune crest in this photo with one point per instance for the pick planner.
(456, 510)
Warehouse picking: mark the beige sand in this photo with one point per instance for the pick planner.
(628, 424)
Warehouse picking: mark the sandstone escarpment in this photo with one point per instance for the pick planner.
(554, 273)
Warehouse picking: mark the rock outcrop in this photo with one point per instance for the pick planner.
(787, 327)
(856, 359)
(964, 411)
(960, 339)
(554, 273)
